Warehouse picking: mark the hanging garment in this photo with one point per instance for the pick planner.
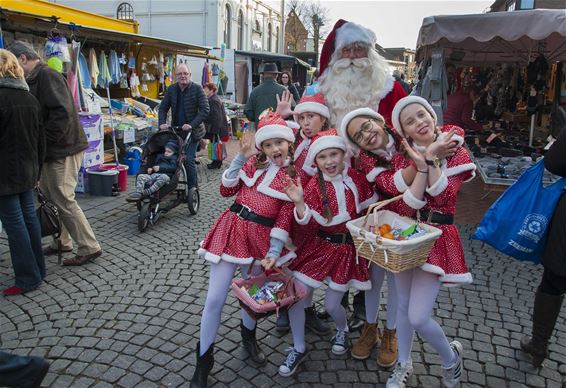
(72, 78)
(93, 67)
(205, 75)
(83, 69)
(131, 62)
(114, 67)
(104, 77)
(135, 85)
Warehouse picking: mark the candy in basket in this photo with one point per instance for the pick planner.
(264, 294)
(391, 241)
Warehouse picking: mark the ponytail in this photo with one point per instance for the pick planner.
(291, 155)
(261, 161)
(326, 211)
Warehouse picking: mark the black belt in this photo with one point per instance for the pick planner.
(437, 218)
(339, 238)
(245, 213)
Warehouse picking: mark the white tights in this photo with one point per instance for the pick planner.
(297, 314)
(220, 279)
(373, 296)
(416, 292)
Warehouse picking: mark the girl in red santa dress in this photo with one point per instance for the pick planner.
(336, 195)
(312, 117)
(257, 225)
(432, 192)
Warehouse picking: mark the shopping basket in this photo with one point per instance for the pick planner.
(392, 255)
(292, 292)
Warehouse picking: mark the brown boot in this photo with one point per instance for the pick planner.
(367, 341)
(387, 354)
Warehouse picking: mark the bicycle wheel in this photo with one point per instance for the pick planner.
(143, 216)
(193, 200)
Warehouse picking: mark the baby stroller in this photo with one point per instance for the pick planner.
(150, 208)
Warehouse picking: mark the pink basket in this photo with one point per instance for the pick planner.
(293, 292)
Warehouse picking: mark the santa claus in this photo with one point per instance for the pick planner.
(354, 75)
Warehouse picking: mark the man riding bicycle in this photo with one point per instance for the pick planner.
(189, 107)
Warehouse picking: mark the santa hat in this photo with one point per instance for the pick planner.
(314, 104)
(272, 126)
(324, 141)
(402, 104)
(343, 130)
(343, 34)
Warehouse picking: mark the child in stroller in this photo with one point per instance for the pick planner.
(157, 176)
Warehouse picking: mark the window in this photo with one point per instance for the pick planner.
(277, 39)
(526, 4)
(269, 33)
(125, 12)
(240, 30)
(227, 27)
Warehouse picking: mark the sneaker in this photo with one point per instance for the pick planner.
(282, 322)
(134, 197)
(400, 375)
(356, 323)
(294, 359)
(340, 342)
(451, 376)
(387, 353)
(367, 341)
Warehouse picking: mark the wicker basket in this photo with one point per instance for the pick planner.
(392, 255)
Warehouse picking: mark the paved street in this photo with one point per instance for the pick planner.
(130, 319)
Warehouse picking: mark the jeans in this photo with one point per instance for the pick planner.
(18, 216)
(20, 371)
(190, 154)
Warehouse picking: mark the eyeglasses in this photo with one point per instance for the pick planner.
(178, 74)
(360, 137)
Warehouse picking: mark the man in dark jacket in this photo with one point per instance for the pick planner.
(264, 96)
(189, 108)
(66, 143)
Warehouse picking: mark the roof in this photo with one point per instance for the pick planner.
(496, 36)
(273, 57)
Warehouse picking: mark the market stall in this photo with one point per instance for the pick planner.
(515, 60)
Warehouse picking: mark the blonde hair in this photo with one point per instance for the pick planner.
(9, 66)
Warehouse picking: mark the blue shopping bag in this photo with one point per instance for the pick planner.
(517, 223)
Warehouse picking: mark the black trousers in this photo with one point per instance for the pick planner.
(552, 283)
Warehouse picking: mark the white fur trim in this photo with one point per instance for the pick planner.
(460, 169)
(307, 280)
(263, 187)
(306, 217)
(352, 283)
(343, 128)
(313, 107)
(274, 131)
(400, 181)
(351, 32)
(309, 170)
(387, 87)
(374, 173)
(433, 269)
(439, 186)
(215, 259)
(303, 145)
(279, 234)
(370, 201)
(451, 280)
(284, 259)
(402, 103)
(412, 201)
(471, 177)
(459, 139)
(323, 143)
(293, 125)
(229, 182)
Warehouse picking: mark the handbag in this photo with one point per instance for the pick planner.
(48, 216)
(517, 222)
(217, 149)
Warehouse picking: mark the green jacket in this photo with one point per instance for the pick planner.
(263, 97)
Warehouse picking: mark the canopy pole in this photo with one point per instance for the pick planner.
(112, 125)
(531, 132)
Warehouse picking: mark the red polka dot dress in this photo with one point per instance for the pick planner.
(319, 260)
(446, 258)
(239, 241)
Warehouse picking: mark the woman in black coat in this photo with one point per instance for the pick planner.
(550, 293)
(286, 80)
(22, 149)
(216, 123)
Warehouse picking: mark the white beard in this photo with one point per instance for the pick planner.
(349, 84)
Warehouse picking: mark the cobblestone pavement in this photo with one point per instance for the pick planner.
(131, 318)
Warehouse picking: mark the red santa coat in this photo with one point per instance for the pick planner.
(446, 258)
(318, 260)
(239, 241)
(391, 93)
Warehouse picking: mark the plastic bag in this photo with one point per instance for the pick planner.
(517, 223)
(57, 46)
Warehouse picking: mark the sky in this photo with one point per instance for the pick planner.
(397, 23)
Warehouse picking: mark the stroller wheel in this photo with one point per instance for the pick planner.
(143, 216)
(193, 200)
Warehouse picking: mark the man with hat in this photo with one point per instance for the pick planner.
(264, 96)
(351, 70)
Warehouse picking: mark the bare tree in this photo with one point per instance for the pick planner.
(313, 16)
